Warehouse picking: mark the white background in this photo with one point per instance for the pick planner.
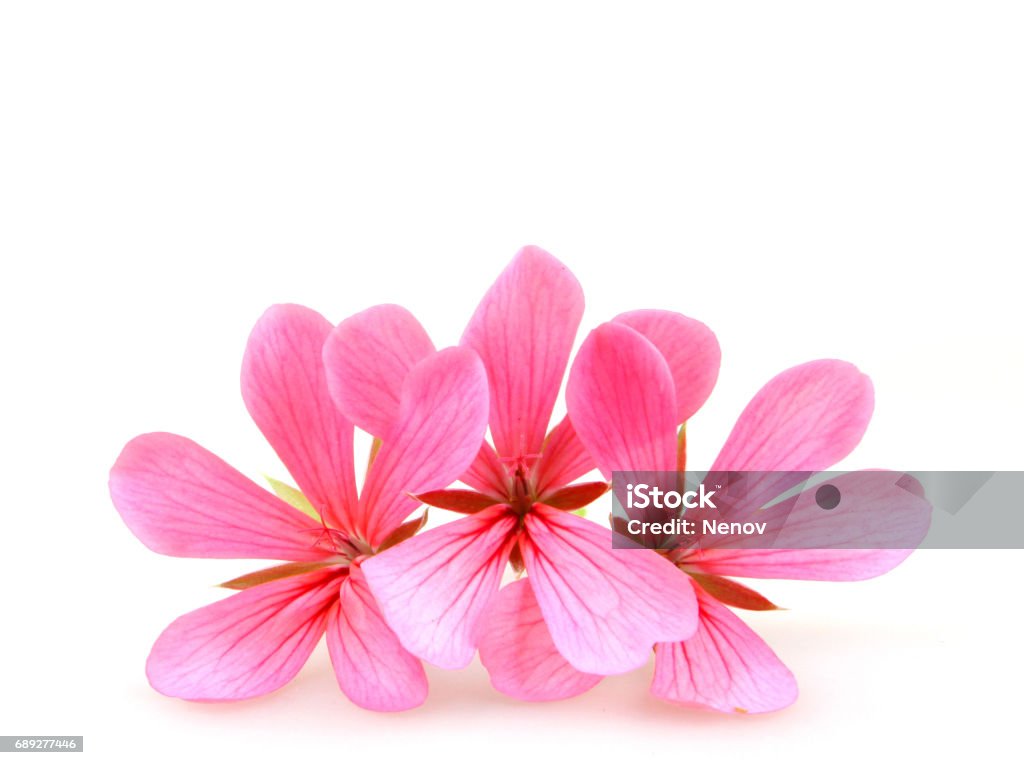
(810, 179)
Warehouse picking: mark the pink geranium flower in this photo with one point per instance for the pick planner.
(180, 499)
(622, 392)
(603, 608)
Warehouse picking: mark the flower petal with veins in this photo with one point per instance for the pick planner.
(434, 588)
(285, 391)
(523, 330)
(180, 499)
(605, 608)
(725, 666)
(372, 667)
(520, 657)
(564, 458)
(806, 418)
(440, 425)
(367, 358)
(621, 399)
(245, 645)
(690, 349)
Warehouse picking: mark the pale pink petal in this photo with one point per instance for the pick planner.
(246, 645)
(434, 588)
(689, 347)
(563, 460)
(440, 425)
(806, 418)
(880, 519)
(622, 401)
(523, 330)
(373, 669)
(180, 499)
(605, 608)
(517, 650)
(823, 565)
(367, 357)
(725, 666)
(285, 391)
(486, 474)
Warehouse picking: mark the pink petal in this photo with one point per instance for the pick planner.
(880, 520)
(373, 669)
(487, 475)
(563, 460)
(285, 390)
(523, 330)
(806, 418)
(440, 425)
(367, 357)
(725, 666)
(605, 608)
(434, 588)
(517, 650)
(622, 401)
(180, 499)
(246, 645)
(822, 565)
(689, 347)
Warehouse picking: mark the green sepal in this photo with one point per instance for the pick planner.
(293, 497)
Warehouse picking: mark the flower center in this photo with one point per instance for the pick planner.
(522, 492)
(346, 548)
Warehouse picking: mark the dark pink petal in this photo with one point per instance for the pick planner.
(487, 475)
(806, 418)
(441, 422)
(373, 669)
(285, 390)
(367, 357)
(563, 460)
(180, 499)
(246, 645)
(434, 588)
(517, 650)
(605, 608)
(725, 667)
(523, 330)
(689, 347)
(622, 401)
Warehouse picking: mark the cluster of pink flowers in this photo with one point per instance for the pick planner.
(389, 595)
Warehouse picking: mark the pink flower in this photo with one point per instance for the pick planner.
(620, 390)
(603, 608)
(180, 499)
